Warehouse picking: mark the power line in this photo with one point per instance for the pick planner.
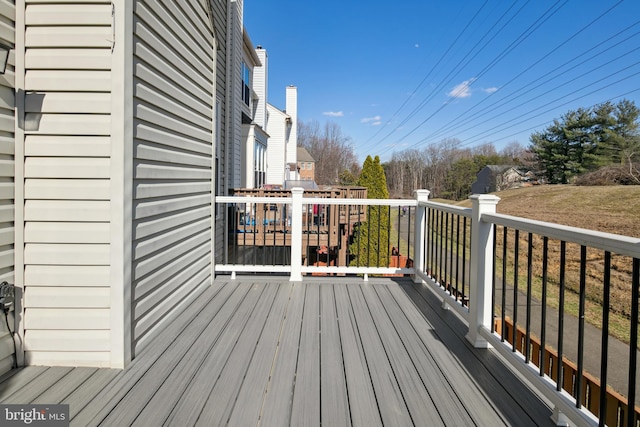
(551, 11)
(484, 112)
(503, 101)
(435, 66)
(452, 74)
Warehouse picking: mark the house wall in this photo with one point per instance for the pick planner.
(220, 10)
(234, 102)
(277, 128)
(174, 106)
(7, 171)
(64, 73)
(118, 169)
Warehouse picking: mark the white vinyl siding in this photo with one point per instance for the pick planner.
(173, 160)
(67, 163)
(7, 174)
(276, 148)
(220, 21)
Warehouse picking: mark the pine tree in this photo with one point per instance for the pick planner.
(371, 238)
(587, 139)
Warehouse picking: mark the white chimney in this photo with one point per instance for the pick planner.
(292, 111)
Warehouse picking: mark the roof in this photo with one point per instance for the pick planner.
(303, 155)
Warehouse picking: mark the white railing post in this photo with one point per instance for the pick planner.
(420, 234)
(296, 234)
(481, 268)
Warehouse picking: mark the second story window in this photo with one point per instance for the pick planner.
(246, 83)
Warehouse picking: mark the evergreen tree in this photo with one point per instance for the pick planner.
(587, 139)
(371, 238)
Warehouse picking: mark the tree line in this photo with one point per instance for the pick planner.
(596, 145)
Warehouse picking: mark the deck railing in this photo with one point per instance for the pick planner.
(510, 278)
(327, 232)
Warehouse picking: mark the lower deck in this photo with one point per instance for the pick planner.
(266, 351)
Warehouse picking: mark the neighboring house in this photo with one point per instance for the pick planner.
(282, 127)
(254, 138)
(128, 118)
(306, 165)
(494, 178)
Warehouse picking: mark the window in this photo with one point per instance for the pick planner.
(259, 164)
(246, 83)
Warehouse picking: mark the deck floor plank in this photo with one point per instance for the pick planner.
(222, 398)
(31, 390)
(166, 377)
(111, 394)
(333, 388)
(391, 402)
(268, 352)
(418, 338)
(84, 395)
(276, 410)
(415, 395)
(480, 378)
(188, 409)
(249, 401)
(363, 404)
(164, 400)
(19, 378)
(306, 394)
(72, 380)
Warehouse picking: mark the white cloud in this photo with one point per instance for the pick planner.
(490, 89)
(416, 45)
(375, 121)
(333, 113)
(463, 90)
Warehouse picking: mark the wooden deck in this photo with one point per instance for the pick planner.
(330, 351)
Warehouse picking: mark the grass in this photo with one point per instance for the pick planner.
(611, 209)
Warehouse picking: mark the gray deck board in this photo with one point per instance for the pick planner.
(417, 339)
(218, 407)
(83, 395)
(362, 398)
(480, 378)
(393, 408)
(17, 379)
(30, 391)
(169, 370)
(113, 393)
(306, 394)
(72, 380)
(277, 404)
(333, 387)
(267, 352)
(414, 392)
(191, 403)
(248, 404)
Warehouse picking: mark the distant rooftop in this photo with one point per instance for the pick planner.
(303, 155)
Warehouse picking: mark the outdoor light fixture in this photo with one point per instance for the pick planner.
(4, 57)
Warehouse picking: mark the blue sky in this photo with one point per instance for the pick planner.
(410, 74)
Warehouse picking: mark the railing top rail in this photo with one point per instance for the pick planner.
(251, 199)
(614, 243)
(456, 210)
(317, 200)
(359, 202)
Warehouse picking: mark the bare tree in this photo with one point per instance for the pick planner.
(330, 148)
